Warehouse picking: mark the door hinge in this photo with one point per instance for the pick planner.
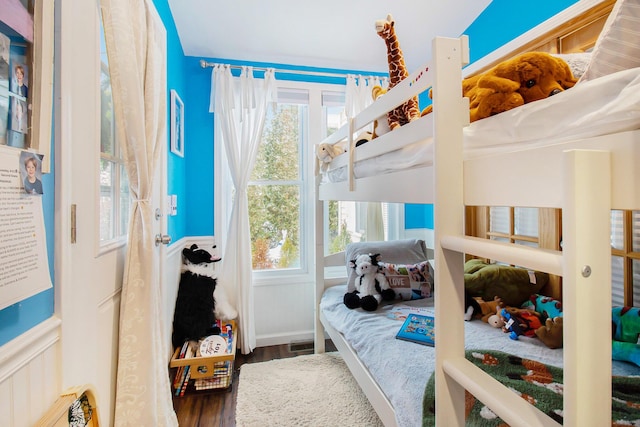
(73, 223)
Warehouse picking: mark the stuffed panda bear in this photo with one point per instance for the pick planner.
(199, 301)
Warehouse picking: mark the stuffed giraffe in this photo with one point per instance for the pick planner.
(408, 111)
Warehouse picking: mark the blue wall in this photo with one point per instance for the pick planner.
(176, 80)
(504, 20)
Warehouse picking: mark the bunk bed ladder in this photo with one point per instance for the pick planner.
(584, 263)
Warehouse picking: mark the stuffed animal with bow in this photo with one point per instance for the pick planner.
(200, 299)
(371, 286)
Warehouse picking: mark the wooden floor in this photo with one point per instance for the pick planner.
(217, 408)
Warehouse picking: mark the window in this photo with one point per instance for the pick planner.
(114, 184)
(514, 225)
(345, 221)
(625, 261)
(281, 188)
(277, 185)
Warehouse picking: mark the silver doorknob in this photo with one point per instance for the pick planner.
(165, 239)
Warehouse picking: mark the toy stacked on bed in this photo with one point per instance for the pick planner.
(625, 331)
(516, 307)
(525, 78)
(371, 285)
(200, 301)
(404, 274)
(408, 111)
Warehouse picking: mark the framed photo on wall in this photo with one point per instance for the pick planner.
(26, 77)
(177, 124)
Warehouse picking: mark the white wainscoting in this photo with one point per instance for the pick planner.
(29, 374)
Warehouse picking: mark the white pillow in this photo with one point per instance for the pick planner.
(618, 45)
(578, 62)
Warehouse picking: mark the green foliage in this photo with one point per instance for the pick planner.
(339, 243)
(260, 250)
(274, 201)
(290, 255)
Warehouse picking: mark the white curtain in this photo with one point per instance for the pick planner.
(136, 45)
(358, 97)
(240, 105)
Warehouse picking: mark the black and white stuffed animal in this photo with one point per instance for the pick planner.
(371, 285)
(199, 301)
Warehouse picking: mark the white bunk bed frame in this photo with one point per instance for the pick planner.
(585, 178)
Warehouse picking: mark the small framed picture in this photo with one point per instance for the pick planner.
(177, 124)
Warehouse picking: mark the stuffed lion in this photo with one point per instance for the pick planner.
(525, 78)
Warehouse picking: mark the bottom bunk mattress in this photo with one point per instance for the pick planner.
(401, 368)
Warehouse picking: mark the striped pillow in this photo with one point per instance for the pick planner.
(618, 46)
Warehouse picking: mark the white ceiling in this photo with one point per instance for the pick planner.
(337, 34)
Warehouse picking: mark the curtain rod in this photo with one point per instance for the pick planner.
(205, 64)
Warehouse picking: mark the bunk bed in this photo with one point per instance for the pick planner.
(585, 173)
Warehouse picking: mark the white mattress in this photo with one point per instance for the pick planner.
(606, 105)
(403, 368)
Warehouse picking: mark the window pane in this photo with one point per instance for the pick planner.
(526, 222)
(526, 243)
(499, 219)
(335, 119)
(617, 274)
(279, 153)
(636, 231)
(617, 230)
(274, 217)
(106, 200)
(339, 234)
(107, 120)
(500, 239)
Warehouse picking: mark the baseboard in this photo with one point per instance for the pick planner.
(279, 339)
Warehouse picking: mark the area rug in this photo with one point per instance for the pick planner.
(311, 390)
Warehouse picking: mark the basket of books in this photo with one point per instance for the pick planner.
(206, 364)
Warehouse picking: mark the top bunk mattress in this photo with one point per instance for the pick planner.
(606, 105)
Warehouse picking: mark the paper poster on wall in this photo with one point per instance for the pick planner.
(24, 264)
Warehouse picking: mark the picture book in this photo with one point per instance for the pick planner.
(418, 328)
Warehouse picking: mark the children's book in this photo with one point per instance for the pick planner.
(418, 328)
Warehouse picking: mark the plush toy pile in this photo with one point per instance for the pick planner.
(625, 331)
(506, 297)
(199, 301)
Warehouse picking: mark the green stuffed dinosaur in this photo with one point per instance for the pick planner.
(625, 329)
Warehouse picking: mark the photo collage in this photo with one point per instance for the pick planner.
(14, 93)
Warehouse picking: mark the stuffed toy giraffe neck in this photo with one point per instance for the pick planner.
(408, 111)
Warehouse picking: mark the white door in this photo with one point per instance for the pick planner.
(88, 274)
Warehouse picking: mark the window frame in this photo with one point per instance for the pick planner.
(627, 253)
(117, 162)
(315, 129)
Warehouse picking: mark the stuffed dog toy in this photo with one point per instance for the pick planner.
(525, 78)
(199, 301)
